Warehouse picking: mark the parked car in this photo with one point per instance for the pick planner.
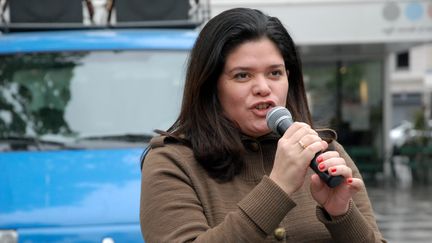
(402, 133)
(77, 109)
(405, 134)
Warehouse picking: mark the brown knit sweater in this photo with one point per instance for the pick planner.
(181, 203)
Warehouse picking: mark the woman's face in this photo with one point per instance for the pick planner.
(253, 81)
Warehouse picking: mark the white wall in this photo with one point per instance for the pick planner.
(413, 79)
(345, 22)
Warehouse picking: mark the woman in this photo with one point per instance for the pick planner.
(220, 175)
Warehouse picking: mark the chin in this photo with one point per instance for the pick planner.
(259, 133)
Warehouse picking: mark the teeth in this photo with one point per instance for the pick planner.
(262, 106)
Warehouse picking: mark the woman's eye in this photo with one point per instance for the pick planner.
(276, 73)
(241, 76)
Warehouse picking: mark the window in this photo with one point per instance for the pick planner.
(402, 60)
(356, 114)
(90, 93)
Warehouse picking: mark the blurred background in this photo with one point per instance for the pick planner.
(367, 66)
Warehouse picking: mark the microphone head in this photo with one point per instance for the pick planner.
(276, 115)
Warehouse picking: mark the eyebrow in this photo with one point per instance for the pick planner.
(249, 68)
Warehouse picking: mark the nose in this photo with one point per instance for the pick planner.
(261, 86)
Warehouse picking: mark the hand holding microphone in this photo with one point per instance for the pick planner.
(279, 119)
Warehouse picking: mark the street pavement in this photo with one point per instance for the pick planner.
(403, 212)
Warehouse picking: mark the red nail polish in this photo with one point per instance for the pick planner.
(333, 170)
(319, 159)
(321, 166)
(349, 180)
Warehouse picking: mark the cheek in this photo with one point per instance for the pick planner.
(282, 93)
(285, 96)
(232, 101)
(226, 99)
(222, 94)
(229, 93)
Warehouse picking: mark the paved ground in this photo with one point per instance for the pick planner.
(403, 209)
(404, 215)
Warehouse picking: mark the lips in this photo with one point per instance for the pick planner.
(261, 108)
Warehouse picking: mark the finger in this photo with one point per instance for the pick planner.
(327, 155)
(297, 130)
(293, 128)
(331, 162)
(352, 186)
(342, 170)
(315, 147)
(309, 139)
(355, 185)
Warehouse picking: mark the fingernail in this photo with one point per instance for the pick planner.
(321, 166)
(349, 180)
(333, 170)
(319, 159)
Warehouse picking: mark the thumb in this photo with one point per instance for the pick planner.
(316, 184)
(355, 185)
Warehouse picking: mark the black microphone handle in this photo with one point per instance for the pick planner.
(331, 181)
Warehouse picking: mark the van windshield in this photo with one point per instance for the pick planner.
(74, 95)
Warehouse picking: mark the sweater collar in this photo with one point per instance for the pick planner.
(259, 156)
(268, 136)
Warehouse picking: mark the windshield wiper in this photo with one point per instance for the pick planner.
(22, 142)
(133, 138)
(25, 143)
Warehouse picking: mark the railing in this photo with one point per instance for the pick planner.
(366, 159)
(24, 15)
(419, 160)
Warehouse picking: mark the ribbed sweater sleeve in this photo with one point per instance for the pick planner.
(267, 205)
(351, 227)
(172, 212)
(358, 224)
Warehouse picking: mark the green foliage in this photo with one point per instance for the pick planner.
(419, 120)
(420, 125)
(34, 92)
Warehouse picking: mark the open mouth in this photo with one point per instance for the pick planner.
(263, 106)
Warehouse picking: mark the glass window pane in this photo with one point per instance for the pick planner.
(90, 93)
(347, 96)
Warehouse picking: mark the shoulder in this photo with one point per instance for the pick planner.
(327, 134)
(330, 136)
(167, 152)
(334, 145)
(168, 147)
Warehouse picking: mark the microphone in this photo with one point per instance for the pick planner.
(278, 120)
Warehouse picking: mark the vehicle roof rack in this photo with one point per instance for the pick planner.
(24, 15)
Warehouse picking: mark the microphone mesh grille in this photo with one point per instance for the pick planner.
(274, 116)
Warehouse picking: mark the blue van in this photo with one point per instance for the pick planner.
(77, 109)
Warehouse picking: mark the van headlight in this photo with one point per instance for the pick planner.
(8, 236)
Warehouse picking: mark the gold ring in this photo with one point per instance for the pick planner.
(302, 144)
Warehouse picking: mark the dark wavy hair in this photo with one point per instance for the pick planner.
(214, 139)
